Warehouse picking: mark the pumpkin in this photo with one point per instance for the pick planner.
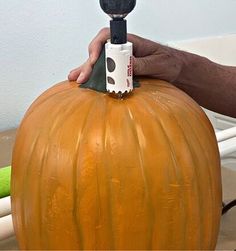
(91, 171)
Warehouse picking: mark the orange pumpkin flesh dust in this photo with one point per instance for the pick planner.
(94, 172)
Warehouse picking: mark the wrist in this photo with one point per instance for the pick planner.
(193, 68)
(210, 84)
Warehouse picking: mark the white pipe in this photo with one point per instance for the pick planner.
(226, 150)
(6, 227)
(5, 206)
(226, 134)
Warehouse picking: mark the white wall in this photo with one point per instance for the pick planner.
(41, 40)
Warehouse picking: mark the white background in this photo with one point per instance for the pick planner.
(41, 40)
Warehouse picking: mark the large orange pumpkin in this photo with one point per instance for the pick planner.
(94, 172)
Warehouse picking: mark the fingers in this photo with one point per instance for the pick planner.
(97, 43)
(145, 66)
(73, 75)
(82, 73)
(164, 66)
(143, 47)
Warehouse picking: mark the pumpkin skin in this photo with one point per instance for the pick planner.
(94, 172)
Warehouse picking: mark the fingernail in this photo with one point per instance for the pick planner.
(69, 77)
(80, 78)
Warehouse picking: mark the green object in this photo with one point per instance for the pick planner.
(5, 177)
(97, 80)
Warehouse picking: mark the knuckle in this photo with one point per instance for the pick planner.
(90, 47)
(103, 34)
(104, 30)
(142, 65)
(137, 67)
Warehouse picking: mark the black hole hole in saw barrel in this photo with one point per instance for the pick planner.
(111, 65)
(110, 80)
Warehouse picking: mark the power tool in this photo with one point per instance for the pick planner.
(119, 63)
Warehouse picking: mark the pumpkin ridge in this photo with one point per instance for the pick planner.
(23, 207)
(40, 196)
(172, 155)
(144, 175)
(78, 153)
(105, 160)
(57, 121)
(185, 98)
(28, 194)
(209, 171)
(76, 164)
(106, 106)
(171, 114)
(75, 175)
(47, 102)
(98, 186)
(41, 99)
(192, 154)
(28, 191)
(83, 101)
(98, 200)
(67, 111)
(200, 145)
(15, 188)
(197, 110)
(211, 192)
(105, 145)
(204, 128)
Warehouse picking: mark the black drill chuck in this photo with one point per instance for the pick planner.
(118, 31)
(118, 10)
(117, 7)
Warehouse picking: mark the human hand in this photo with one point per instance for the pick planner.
(150, 59)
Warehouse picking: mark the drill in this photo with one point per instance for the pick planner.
(119, 65)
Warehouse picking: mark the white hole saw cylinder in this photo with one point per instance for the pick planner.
(119, 67)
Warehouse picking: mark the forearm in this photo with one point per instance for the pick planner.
(212, 85)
